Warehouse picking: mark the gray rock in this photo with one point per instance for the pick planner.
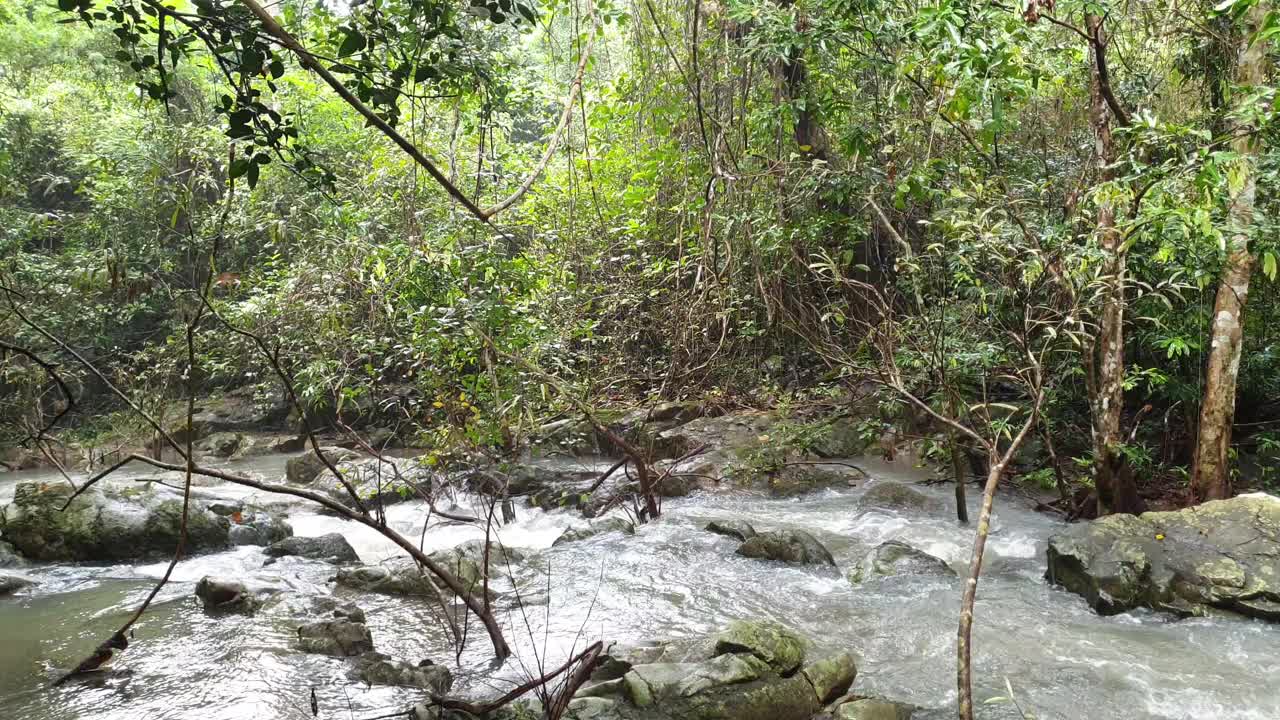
(10, 584)
(337, 638)
(9, 557)
(773, 643)
(832, 677)
(873, 709)
(256, 527)
(1223, 554)
(793, 480)
(223, 444)
(598, 527)
(113, 522)
(739, 529)
(303, 469)
(330, 607)
(374, 668)
(890, 495)
(378, 483)
(220, 595)
(792, 546)
(332, 547)
(401, 576)
(898, 558)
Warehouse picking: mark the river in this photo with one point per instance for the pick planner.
(671, 579)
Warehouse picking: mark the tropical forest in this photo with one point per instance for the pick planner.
(639, 359)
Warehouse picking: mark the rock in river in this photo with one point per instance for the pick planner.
(749, 671)
(222, 595)
(374, 668)
(332, 547)
(119, 522)
(596, 528)
(1221, 554)
(739, 529)
(898, 558)
(10, 584)
(339, 638)
(792, 546)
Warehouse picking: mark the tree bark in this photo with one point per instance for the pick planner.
(1107, 396)
(1210, 468)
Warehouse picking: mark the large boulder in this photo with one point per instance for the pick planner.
(1223, 554)
(376, 482)
(739, 529)
(332, 547)
(374, 668)
(613, 524)
(233, 412)
(750, 671)
(224, 444)
(874, 709)
(119, 522)
(9, 557)
(10, 584)
(889, 495)
(898, 558)
(340, 637)
(800, 478)
(302, 470)
(226, 596)
(791, 546)
(401, 576)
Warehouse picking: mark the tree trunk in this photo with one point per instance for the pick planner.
(1107, 398)
(1210, 477)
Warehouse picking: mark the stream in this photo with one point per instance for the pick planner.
(671, 579)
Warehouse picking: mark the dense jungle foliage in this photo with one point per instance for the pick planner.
(1034, 212)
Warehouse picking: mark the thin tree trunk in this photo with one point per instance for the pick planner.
(1107, 402)
(1210, 477)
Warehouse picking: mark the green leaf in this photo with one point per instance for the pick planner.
(239, 167)
(354, 42)
(1269, 265)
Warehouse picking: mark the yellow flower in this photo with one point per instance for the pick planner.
(1159, 536)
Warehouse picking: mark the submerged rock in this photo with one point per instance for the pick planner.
(332, 547)
(9, 557)
(220, 595)
(374, 668)
(1223, 554)
(898, 558)
(890, 495)
(401, 576)
(792, 546)
(739, 529)
(873, 709)
(749, 671)
(224, 444)
(598, 527)
(10, 584)
(304, 469)
(337, 638)
(120, 522)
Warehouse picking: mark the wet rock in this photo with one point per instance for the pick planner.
(792, 546)
(898, 558)
(739, 529)
(304, 469)
(221, 595)
(224, 444)
(873, 709)
(832, 677)
(1223, 554)
(332, 547)
(233, 412)
(9, 557)
(10, 584)
(328, 606)
(773, 643)
(337, 638)
(112, 522)
(257, 527)
(840, 437)
(793, 480)
(890, 495)
(378, 483)
(598, 527)
(374, 668)
(401, 576)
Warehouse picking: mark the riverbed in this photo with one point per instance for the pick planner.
(671, 579)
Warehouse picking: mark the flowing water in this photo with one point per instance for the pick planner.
(671, 579)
